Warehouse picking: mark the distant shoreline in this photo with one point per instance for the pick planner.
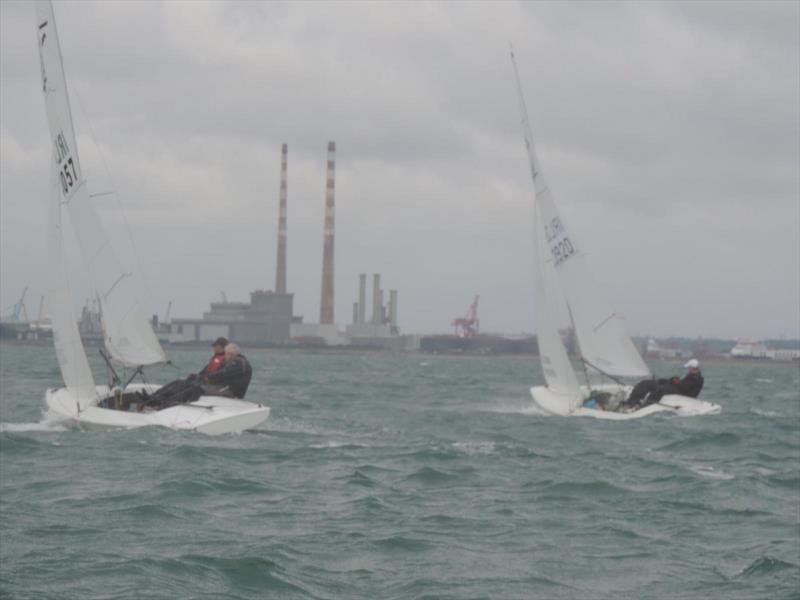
(355, 351)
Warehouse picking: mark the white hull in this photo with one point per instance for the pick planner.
(212, 415)
(676, 404)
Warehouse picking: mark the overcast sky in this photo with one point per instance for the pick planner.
(668, 132)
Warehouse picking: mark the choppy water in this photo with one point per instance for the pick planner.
(386, 476)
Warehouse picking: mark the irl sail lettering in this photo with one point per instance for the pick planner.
(560, 245)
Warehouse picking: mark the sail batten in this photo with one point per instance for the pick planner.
(128, 336)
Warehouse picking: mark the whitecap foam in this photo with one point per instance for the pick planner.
(473, 448)
(515, 407)
(41, 426)
(710, 472)
(332, 444)
(766, 413)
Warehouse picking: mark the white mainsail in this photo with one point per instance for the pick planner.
(128, 336)
(604, 346)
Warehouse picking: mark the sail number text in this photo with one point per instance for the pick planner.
(562, 249)
(67, 172)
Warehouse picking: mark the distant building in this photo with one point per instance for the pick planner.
(749, 349)
(266, 320)
(90, 325)
(317, 334)
(656, 350)
(783, 354)
(759, 350)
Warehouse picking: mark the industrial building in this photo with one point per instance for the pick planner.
(266, 319)
(381, 330)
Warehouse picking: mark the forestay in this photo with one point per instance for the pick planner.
(603, 343)
(128, 335)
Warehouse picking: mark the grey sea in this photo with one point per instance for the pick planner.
(403, 476)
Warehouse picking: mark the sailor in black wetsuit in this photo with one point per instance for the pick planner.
(232, 378)
(651, 391)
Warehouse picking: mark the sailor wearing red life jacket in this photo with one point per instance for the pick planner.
(216, 361)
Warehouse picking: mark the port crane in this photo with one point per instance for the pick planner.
(18, 310)
(469, 325)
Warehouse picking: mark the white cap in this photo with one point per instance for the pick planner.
(692, 364)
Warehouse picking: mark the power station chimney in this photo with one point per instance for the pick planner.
(355, 313)
(376, 299)
(326, 304)
(362, 298)
(280, 271)
(393, 309)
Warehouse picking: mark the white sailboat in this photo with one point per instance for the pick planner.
(607, 353)
(129, 339)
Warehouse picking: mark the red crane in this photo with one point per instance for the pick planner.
(468, 326)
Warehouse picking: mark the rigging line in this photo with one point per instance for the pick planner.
(584, 362)
(604, 321)
(115, 379)
(116, 194)
(135, 373)
(599, 370)
(113, 285)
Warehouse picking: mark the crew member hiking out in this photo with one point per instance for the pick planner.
(232, 378)
(650, 391)
(217, 360)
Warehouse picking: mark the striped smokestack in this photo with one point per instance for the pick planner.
(280, 272)
(326, 304)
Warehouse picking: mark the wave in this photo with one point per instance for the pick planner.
(429, 475)
(362, 479)
(766, 413)
(399, 543)
(338, 445)
(472, 448)
(45, 426)
(513, 406)
(765, 566)
(584, 489)
(710, 472)
(251, 573)
(791, 482)
(683, 507)
(701, 440)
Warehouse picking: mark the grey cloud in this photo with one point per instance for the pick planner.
(659, 126)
